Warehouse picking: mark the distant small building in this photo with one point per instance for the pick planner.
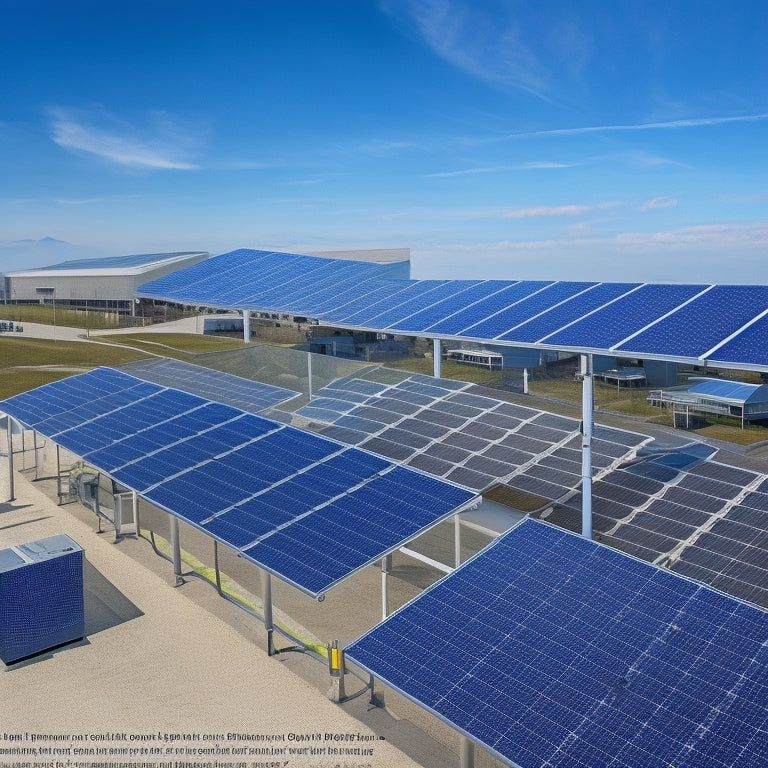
(747, 402)
(107, 284)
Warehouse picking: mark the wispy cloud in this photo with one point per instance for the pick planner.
(535, 165)
(659, 202)
(490, 46)
(546, 210)
(538, 211)
(161, 143)
(664, 125)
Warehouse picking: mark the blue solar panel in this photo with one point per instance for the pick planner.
(399, 316)
(454, 302)
(538, 328)
(697, 327)
(496, 302)
(318, 550)
(550, 649)
(245, 479)
(233, 390)
(365, 296)
(628, 314)
(748, 345)
(531, 306)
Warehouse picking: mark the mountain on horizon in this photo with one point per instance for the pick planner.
(30, 254)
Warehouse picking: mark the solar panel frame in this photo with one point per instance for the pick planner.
(623, 699)
(222, 469)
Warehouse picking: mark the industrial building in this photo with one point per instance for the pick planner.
(106, 284)
(738, 399)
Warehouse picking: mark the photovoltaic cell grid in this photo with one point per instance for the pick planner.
(310, 510)
(550, 649)
(460, 432)
(709, 521)
(245, 394)
(718, 323)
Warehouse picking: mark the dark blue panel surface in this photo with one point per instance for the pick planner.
(550, 649)
(462, 318)
(401, 316)
(456, 301)
(625, 316)
(748, 347)
(580, 305)
(696, 328)
(524, 310)
(417, 290)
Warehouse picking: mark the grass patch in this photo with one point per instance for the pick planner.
(449, 369)
(30, 363)
(733, 434)
(629, 401)
(181, 345)
(67, 318)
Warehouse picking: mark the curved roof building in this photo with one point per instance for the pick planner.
(109, 282)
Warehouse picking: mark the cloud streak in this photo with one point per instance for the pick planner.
(659, 202)
(539, 211)
(664, 125)
(162, 145)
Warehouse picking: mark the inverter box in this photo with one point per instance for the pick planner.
(41, 596)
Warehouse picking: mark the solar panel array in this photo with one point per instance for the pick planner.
(308, 509)
(461, 432)
(550, 649)
(707, 521)
(724, 325)
(245, 394)
(264, 280)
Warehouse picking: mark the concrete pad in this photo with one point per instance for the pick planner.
(156, 664)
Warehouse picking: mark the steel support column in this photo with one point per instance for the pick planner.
(246, 325)
(176, 549)
(587, 430)
(266, 599)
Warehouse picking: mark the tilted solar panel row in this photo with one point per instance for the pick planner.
(259, 486)
(550, 649)
(722, 324)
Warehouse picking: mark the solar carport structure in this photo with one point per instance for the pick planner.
(552, 650)
(716, 325)
(721, 325)
(309, 510)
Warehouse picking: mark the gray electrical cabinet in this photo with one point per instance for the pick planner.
(41, 596)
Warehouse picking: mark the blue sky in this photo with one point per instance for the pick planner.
(609, 139)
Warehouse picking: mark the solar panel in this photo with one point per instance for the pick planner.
(690, 322)
(244, 479)
(550, 649)
(252, 396)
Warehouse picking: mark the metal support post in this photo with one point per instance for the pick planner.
(587, 430)
(135, 503)
(437, 357)
(309, 374)
(246, 325)
(9, 441)
(457, 540)
(467, 752)
(525, 381)
(336, 671)
(58, 476)
(34, 447)
(216, 565)
(266, 599)
(176, 549)
(386, 567)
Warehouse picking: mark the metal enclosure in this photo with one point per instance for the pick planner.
(41, 596)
